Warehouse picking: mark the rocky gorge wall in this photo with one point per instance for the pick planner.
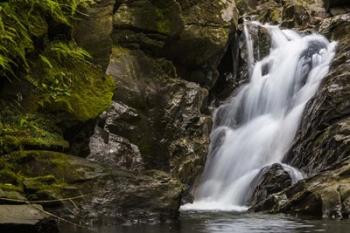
(151, 141)
(142, 138)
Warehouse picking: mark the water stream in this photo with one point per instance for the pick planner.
(224, 222)
(256, 126)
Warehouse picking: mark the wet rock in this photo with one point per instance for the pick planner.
(325, 195)
(270, 180)
(158, 115)
(322, 139)
(151, 196)
(84, 191)
(289, 13)
(26, 219)
(110, 149)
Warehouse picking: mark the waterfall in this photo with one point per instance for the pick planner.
(256, 126)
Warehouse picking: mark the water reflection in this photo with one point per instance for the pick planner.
(194, 222)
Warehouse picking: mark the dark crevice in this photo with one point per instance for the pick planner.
(228, 72)
(116, 6)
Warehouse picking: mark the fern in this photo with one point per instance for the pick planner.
(62, 51)
(20, 22)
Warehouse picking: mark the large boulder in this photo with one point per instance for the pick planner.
(157, 45)
(150, 196)
(325, 195)
(82, 191)
(156, 117)
(271, 179)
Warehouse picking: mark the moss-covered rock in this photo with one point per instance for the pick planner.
(157, 16)
(45, 175)
(204, 40)
(301, 14)
(89, 97)
(193, 35)
(66, 82)
(97, 192)
(23, 130)
(148, 196)
(93, 31)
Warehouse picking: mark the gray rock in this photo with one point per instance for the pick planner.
(158, 113)
(110, 149)
(270, 180)
(26, 219)
(150, 196)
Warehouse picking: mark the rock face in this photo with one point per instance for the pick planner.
(323, 138)
(192, 35)
(121, 196)
(164, 60)
(93, 31)
(156, 113)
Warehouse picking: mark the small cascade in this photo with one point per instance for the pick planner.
(256, 126)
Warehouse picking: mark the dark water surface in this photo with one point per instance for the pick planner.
(192, 222)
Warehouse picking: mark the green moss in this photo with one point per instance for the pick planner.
(11, 187)
(9, 177)
(12, 195)
(164, 24)
(46, 163)
(44, 175)
(24, 130)
(21, 22)
(68, 83)
(39, 183)
(89, 97)
(161, 16)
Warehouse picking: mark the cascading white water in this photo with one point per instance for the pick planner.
(256, 127)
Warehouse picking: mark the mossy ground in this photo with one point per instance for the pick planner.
(42, 175)
(24, 130)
